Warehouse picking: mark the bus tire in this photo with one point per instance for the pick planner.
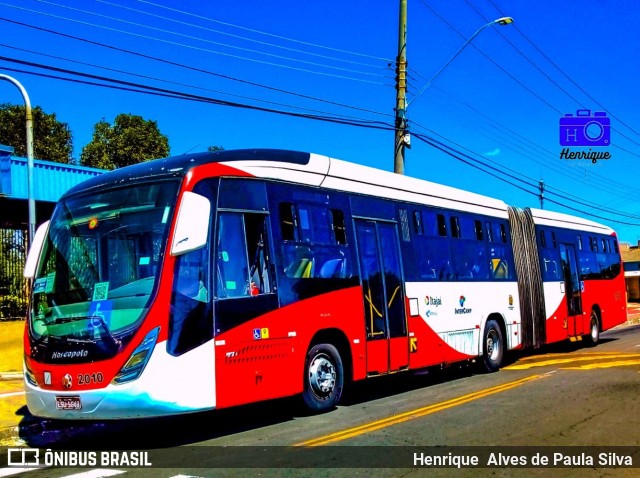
(324, 378)
(492, 347)
(593, 337)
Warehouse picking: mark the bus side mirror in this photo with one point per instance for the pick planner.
(35, 250)
(192, 224)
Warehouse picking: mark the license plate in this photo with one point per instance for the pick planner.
(68, 402)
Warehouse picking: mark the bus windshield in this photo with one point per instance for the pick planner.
(100, 262)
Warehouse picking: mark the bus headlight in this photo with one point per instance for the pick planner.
(138, 360)
(29, 375)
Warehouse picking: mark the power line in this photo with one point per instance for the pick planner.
(148, 77)
(206, 50)
(191, 68)
(506, 72)
(466, 159)
(240, 37)
(267, 34)
(517, 176)
(537, 48)
(140, 88)
(487, 121)
(205, 40)
(526, 57)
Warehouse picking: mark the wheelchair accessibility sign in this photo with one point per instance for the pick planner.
(261, 333)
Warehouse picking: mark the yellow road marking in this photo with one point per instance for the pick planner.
(582, 358)
(417, 413)
(583, 354)
(618, 363)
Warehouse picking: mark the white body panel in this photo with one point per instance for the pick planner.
(554, 296)
(461, 326)
(168, 385)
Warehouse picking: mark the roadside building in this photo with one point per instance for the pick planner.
(631, 259)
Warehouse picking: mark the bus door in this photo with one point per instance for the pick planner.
(572, 289)
(383, 293)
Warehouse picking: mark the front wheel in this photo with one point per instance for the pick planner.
(324, 378)
(594, 330)
(493, 347)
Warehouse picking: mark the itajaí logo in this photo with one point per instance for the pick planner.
(462, 309)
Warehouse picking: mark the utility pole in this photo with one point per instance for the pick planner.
(29, 132)
(401, 92)
(541, 187)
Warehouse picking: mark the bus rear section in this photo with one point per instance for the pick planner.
(570, 277)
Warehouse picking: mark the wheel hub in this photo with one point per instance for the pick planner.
(322, 376)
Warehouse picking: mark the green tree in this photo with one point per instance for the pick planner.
(130, 140)
(51, 138)
(214, 149)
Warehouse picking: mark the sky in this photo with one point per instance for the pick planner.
(320, 77)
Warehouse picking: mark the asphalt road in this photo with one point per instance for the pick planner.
(549, 403)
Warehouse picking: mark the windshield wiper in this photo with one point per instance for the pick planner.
(65, 320)
(115, 341)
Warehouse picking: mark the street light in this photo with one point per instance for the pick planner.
(499, 21)
(29, 126)
(402, 138)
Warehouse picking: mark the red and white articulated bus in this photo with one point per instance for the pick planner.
(212, 280)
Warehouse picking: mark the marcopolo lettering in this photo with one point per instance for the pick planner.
(70, 354)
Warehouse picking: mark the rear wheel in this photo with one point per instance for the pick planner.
(593, 338)
(324, 378)
(493, 347)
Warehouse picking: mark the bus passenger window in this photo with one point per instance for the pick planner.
(543, 239)
(339, 228)
(442, 225)
(417, 223)
(499, 232)
(288, 222)
(190, 319)
(300, 262)
(242, 266)
(455, 226)
(477, 225)
(258, 254)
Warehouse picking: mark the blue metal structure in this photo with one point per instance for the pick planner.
(51, 180)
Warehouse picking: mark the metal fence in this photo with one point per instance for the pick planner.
(13, 286)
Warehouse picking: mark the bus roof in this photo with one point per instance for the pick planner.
(549, 218)
(178, 166)
(323, 171)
